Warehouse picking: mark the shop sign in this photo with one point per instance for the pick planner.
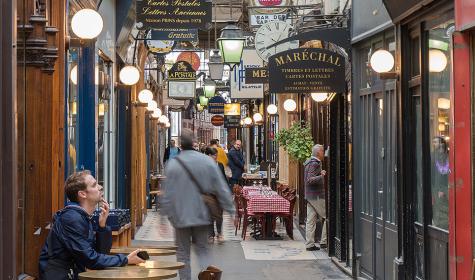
(271, 6)
(181, 89)
(239, 88)
(232, 121)
(217, 120)
(216, 105)
(182, 70)
(232, 109)
(260, 19)
(175, 34)
(190, 57)
(186, 14)
(257, 75)
(306, 70)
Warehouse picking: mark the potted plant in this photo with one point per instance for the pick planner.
(297, 141)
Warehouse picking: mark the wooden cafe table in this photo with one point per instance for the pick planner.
(128, 272)
(150, 251)
(153, 264)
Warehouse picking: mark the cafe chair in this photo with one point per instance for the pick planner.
(257, 218)
(288, 218)
(210, 273)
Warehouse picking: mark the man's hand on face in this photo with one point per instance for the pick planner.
(132, 258)
(104, 213)
(323, 173)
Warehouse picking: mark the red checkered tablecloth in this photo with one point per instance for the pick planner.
(259, 203)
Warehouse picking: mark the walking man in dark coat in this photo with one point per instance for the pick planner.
(236, 162)
(72, 245)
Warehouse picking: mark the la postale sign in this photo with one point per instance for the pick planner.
(306, 70)
(183, 14)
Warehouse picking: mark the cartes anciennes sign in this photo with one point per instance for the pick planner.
(183, 14)
(306, 70)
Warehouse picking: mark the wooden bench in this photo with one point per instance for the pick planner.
(122, 237)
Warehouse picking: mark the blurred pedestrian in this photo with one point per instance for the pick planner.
(171, 151)
(213, 154)
(191, 176)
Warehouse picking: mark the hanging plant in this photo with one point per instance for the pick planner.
(297, 141)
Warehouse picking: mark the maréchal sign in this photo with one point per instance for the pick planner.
(306, 70)
(184, 14)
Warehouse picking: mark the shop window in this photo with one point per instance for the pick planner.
(440, 49)
(72, 109)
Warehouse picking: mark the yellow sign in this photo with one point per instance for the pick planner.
(232, 109)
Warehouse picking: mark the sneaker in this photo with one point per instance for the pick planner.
(220, 239)
(211, 239)
(313, 248)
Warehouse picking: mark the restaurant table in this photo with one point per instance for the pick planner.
(128, 272)
(269, 203)
(150, 251)
(247, 189)
(159, 264)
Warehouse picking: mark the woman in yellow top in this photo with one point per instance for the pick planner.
(222, 158)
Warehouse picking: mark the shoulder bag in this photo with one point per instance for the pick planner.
(210, 200)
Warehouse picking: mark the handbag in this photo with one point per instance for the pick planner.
(210, 273)
(210, 200)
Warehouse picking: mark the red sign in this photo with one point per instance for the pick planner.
(270, 2)
(190, 57)
(217, 120)
(464, 15)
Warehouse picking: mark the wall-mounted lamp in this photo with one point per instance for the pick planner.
(152, 105)
(145, 96)
(157, 113)
(247, 121)
(319, 96)
(209, 88)
(290, 105)
(443, 103)
(87, 24)
(101, 109)
(73, 75)
(257, 117)
(163, 119)
(382, 62)
(231, 44)
(437, 61)
(129, 75)
(167, 125)
(271, 109)
(216, 66)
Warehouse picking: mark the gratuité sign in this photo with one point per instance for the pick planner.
(305, 70)
(183, 14)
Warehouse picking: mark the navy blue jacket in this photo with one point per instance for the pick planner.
(236, 163)
(72, 240)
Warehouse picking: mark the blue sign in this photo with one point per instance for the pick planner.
(175, 34)
(216, 105)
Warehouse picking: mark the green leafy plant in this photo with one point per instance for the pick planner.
(297, 141)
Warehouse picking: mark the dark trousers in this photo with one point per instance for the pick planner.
(219, 227)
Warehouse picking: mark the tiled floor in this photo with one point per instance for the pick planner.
(266, 260)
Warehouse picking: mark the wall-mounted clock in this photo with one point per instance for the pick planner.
(271, 33)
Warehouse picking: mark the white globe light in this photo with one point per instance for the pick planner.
(382, 61)
(443, 103)
(73, 75)
(145, 96)
(437, 61)
(87, 24)
(290, 105)
(167, 125)
(152, 105)
(272, 109)
(129, 75)
(247, 121)
(156, 113)
(319, 96)
(163, 119)
(257, 117)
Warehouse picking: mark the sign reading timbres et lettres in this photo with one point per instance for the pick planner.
(306, 70)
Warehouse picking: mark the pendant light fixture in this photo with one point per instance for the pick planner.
(87, 24)
(129, 75)
(216, 66)
(209, 88)
(231, 44)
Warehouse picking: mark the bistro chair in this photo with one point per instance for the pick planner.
(257, 218)
(289, 216)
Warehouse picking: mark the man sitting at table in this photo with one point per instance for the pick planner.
(72, 245)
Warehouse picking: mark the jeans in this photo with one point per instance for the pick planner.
(199, 234)
(311, 226)
(219, 228)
